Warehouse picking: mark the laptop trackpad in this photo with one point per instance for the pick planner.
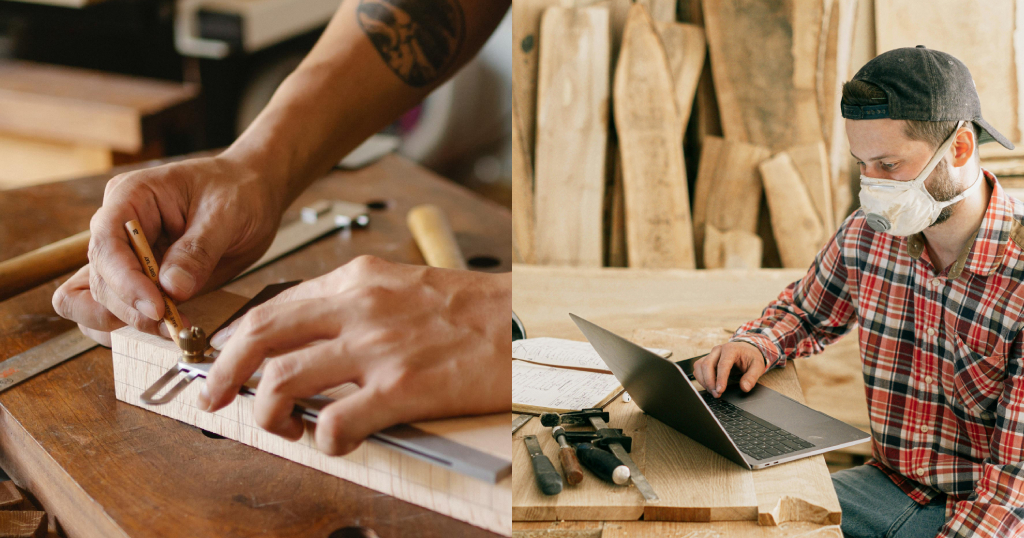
(782, 411)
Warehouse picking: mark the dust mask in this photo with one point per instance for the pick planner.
(906, 207)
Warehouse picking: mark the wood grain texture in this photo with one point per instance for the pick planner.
(728, 191)
(811, 161)
(970, 35)
(732, 249)
(79, 106)
(837, 51)
(798, 231)
(685, 48)
(26, 524)
(104, 468)
(526, 15)
(522, 191)
(660, 10)
(659, 232)
(11, 497)
(731, 529)
(766, 81)
(572, 136)
(31, 161)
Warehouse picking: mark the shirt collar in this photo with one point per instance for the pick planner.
(985, 249)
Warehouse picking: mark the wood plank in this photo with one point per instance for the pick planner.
(970, 35)
(765, 82)
(837, 51)
(685, 48)
(140, 359)
(798, 231)
(522, 192)
(11, 497)
(728, 191)
(658, 227)
(731, 529)
(28, 524)
(83, 107)
(557, 529)
(660, 10)
(526, 16)
(28, 161)
(572, 136)
(811, 161)
(732, 249)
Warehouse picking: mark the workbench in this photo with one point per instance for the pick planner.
(106, 468)
(638, 304)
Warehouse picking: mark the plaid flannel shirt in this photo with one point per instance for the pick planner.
(942, 353)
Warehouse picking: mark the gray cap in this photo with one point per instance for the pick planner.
(924, 85)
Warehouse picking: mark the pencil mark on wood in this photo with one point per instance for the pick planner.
(418, 39)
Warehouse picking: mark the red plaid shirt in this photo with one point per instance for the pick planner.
(943, 358)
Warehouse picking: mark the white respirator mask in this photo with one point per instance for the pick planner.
(905, 208)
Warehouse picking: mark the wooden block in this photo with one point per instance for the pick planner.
(765, 82)
(83, 107)
(970, 35)
(139, 359)
(22, 524)
(572, 136)
(728, 191)
(685, 47)
(557, 529)
(811, 161)
(733, 249)
(730, 529)
(799, 232)
(522, 193)
(29, 161)
(11, 498)
(658, 227)
(660, 10)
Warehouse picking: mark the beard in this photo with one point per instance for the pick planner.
(944, 187)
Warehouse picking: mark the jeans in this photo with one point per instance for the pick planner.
(874, 507)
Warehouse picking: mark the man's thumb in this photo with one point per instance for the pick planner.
(190, 261)
(750, 378)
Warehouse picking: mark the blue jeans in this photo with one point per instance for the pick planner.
(873, 507)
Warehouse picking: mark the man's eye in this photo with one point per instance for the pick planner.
(889, 166)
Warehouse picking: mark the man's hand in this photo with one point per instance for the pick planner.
(713, 370)
(209, 217)
(420, 343)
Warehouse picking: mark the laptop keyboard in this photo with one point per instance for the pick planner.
(755, 437)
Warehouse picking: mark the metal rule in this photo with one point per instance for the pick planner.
(43, 357)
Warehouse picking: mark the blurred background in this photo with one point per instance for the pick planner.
(86, 85)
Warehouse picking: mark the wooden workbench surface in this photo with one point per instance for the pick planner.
(104, 468)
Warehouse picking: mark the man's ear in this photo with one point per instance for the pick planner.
(964, 145)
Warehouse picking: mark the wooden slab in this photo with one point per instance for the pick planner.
(970, 35)
(837, 51)
(572, 136)
(522, 193)
(728, 190)
(140, 359)
(733, 249)
(83, 107)
(730, 529)
(798, 230)
(685, 48)
(811, 160)
(28, 524)
(766, 81)
(660, 10)
(29, 161)
(526, 15)
(658, 227)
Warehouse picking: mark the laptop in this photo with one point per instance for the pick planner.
(755, 429)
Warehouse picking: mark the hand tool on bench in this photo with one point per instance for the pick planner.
(434, 236)
(140, 245)
(608, 437)
(519, 422)
(567, 457)
(603, 464)
(548, 479)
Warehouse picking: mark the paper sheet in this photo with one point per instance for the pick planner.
(568, 353)
(559, 388)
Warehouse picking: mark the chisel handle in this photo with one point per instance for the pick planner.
(603, 464)
(548, 479)
(570, 465)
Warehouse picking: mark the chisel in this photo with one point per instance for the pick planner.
(548, 479)
(567, 457)
(603, 464)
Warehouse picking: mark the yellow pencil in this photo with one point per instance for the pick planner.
(144, 253)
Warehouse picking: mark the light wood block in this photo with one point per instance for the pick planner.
(659, 231)
(811, 160)
(139, 359)
(82, 107)
(29, 161)
(522, 193)
(728, 192)
(734, 249)
(572, 136)
(798, 231)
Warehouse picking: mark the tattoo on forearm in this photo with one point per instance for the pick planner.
(418, 39)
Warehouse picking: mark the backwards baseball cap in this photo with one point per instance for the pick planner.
(924, 85)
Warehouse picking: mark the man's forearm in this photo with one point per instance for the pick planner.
(375, 60)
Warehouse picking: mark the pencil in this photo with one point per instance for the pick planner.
(139, 243)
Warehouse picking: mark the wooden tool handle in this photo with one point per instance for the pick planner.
(570, 465)
(44, 264)
(144, 253)
(603, 464)
(434, 236)
(548, 479)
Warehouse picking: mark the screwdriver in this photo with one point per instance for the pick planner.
(567, 457)
(603, 464)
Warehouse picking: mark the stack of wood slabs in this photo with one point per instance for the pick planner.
(140, 359)
(57, 122)
(693, 482)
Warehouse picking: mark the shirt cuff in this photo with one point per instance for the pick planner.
(765, 345)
